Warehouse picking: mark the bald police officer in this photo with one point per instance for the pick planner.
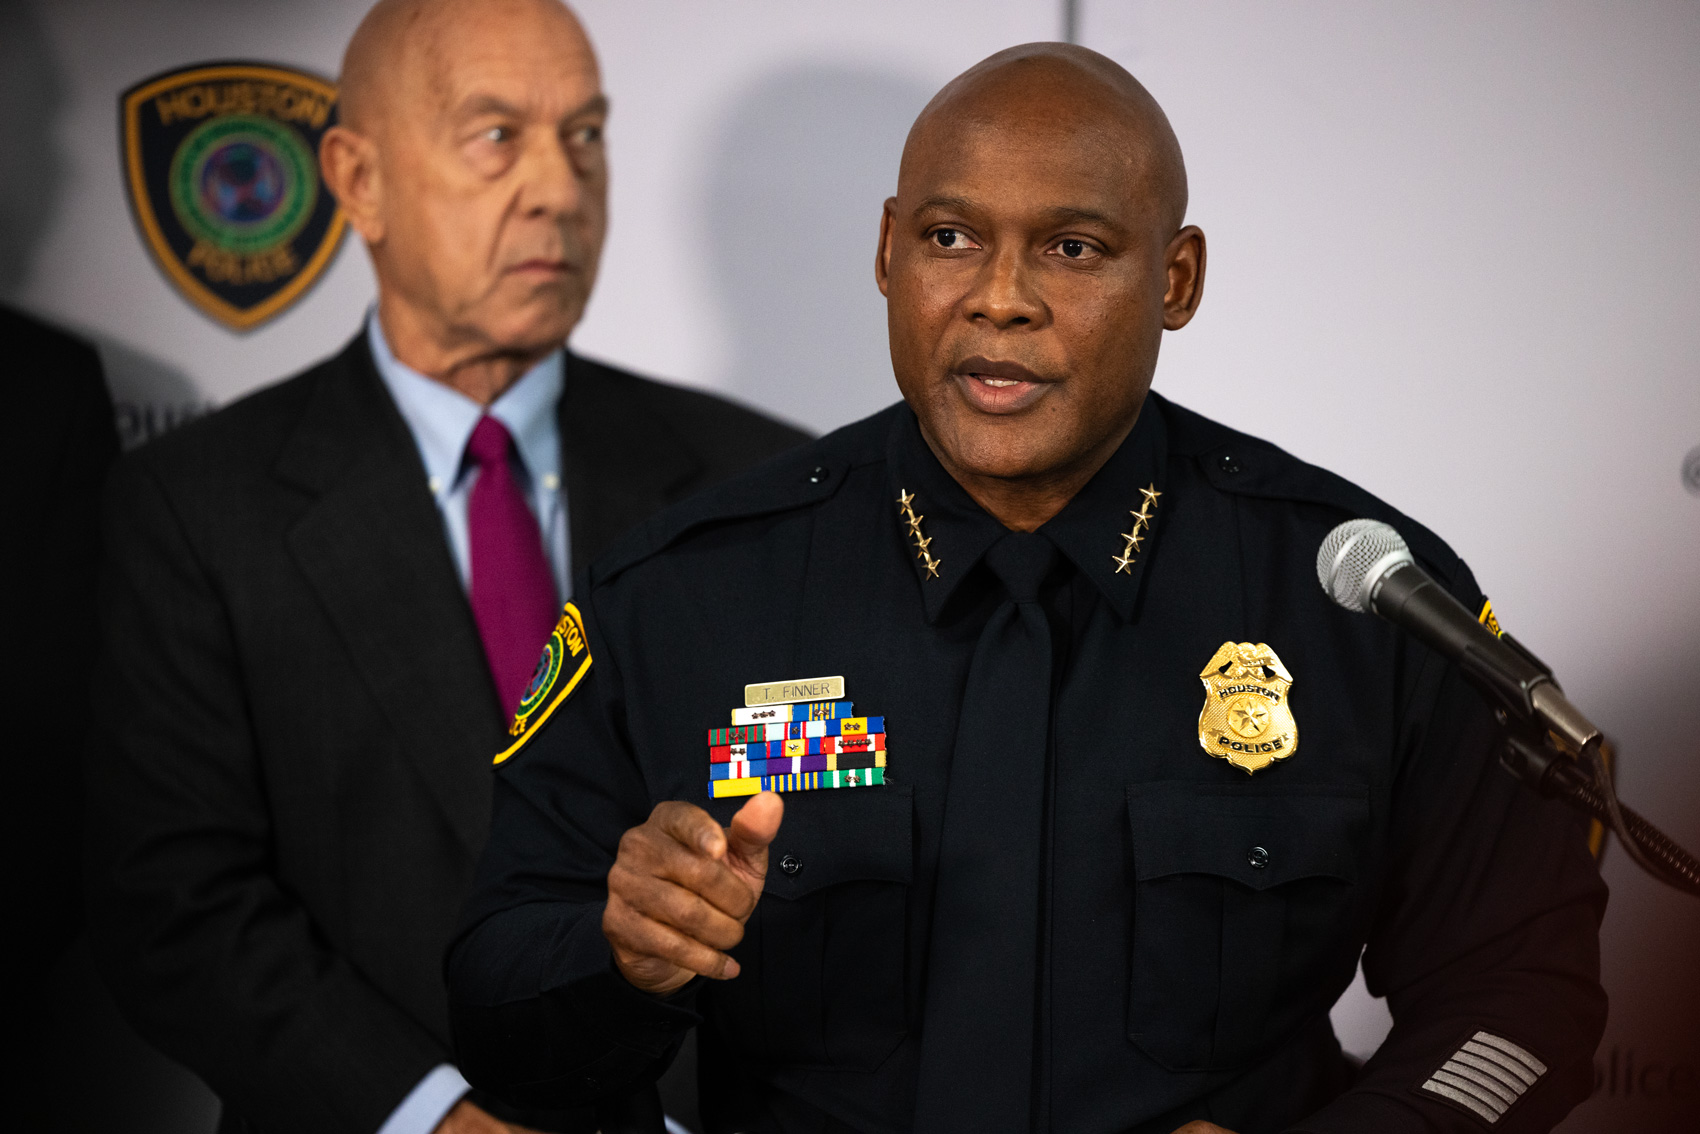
(1014, 878)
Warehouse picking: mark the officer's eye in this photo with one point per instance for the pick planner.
(1071, 249)
(498, 134)
(952, 238)
(587, 135)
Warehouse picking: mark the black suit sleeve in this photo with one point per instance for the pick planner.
(208, 956)
(1489, 925)
(541, 1017)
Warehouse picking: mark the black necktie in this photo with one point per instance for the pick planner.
(977, 1035)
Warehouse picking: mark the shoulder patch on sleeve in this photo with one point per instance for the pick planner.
(1489, 619)
(565, 661)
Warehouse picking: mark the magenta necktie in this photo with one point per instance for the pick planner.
(513, 593)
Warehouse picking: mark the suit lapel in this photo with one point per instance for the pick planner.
(372, 547)
(620, 460)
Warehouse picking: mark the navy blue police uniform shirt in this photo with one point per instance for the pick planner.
(1197, 922)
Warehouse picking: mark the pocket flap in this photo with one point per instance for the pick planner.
(1293, 830)
(841, 835)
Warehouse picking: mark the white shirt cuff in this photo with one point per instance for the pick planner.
(427, 1103)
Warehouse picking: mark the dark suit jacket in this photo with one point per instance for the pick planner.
(290, 780)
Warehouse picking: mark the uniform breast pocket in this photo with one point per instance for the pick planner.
(1242, 896)
(823, 957)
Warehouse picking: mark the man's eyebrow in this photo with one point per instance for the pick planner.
(595, 104)
(945, 205)
(478, 105)
(1062, 213)
(1058, 214)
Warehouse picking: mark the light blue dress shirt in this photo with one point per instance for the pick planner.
(441, 420)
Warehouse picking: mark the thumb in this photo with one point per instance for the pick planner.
(752, 829)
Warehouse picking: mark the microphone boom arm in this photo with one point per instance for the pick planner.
(1557, 774)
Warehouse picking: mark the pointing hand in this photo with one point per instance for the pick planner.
(682, 888)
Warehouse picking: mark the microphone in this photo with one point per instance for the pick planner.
(1364, 565)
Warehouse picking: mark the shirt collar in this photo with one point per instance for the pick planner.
(442, 418)
(955, 532)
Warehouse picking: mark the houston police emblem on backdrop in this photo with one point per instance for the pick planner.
(222, 165)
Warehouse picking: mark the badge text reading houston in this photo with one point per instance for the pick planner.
(276, 100)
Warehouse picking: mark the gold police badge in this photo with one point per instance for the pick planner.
(1247, 720)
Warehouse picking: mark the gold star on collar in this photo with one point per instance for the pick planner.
(1135, 537)
(906, 506)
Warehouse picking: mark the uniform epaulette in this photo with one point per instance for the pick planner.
(1242, 465)
(798, 478)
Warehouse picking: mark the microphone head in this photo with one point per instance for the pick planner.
(1355, 557)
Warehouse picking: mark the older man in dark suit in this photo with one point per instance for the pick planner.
(324, 601)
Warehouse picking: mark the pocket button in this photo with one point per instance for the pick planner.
(1258, 857)
(791, 864)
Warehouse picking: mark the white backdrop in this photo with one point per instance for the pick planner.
(1451, 257)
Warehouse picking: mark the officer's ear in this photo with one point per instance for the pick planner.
(1183, 260)
(882, 255)
(349, 163)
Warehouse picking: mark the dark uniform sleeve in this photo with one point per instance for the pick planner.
(209, 956)
(1487, 946)
(541, 1017)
